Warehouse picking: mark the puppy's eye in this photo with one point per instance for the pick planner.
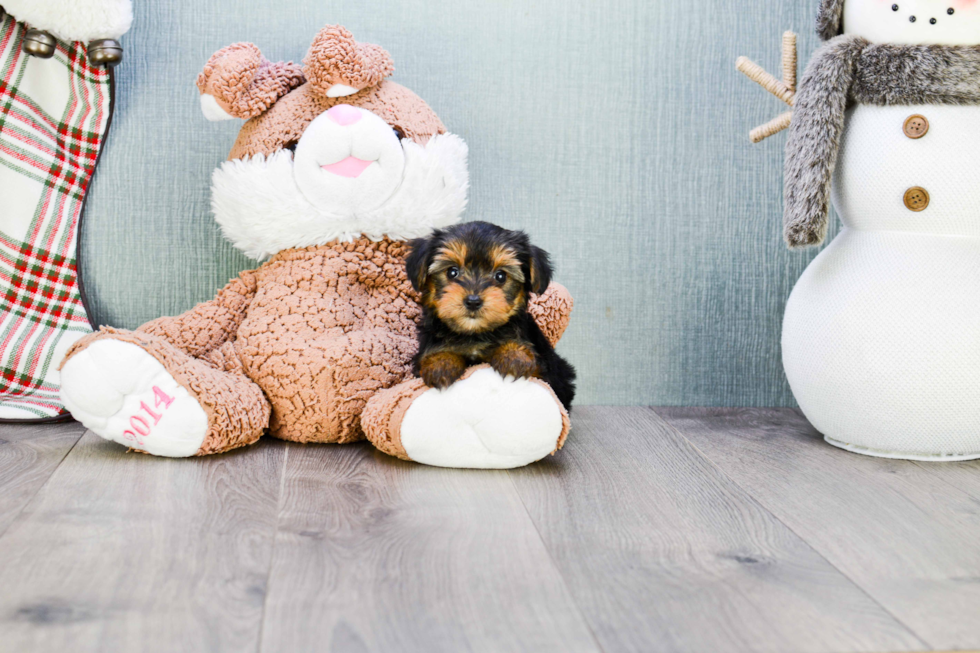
(452, 273)
(500, 276)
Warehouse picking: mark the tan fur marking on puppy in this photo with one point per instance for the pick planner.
(441, 369)
(504, 257)
(429, 295)
(449, 305)
(453, 252)
(514, 359)
(496, 309)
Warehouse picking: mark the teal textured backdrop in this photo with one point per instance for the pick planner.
(615, 133)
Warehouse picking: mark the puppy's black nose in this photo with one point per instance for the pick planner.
(473, 302)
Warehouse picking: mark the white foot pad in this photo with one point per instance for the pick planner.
(482, 422)
(124, 394)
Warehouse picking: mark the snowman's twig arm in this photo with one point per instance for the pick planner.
(814, 139)
(785, 90)
(789, 60)
(755, 72)
(774, 126)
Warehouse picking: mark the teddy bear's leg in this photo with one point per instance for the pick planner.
(482, 421)
(141, 391)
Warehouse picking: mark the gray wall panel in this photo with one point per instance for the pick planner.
(614, 132)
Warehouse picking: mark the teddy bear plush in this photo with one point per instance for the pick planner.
(880, 336)
(336, 168)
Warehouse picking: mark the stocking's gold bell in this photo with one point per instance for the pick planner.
(105, 52)
(39, 44)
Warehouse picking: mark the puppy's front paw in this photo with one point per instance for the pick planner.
(514, 359)
(442, 369)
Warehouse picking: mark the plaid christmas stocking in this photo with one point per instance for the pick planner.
(54, 116)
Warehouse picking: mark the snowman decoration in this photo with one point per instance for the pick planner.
(881, 335)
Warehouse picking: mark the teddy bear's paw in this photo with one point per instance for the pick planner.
(484, 421)
(124, 394)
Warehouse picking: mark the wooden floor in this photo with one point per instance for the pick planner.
(704, 530)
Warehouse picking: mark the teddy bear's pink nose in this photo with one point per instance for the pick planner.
(344, 114)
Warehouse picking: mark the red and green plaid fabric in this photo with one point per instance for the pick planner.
(54, 114)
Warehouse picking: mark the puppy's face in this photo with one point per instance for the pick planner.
(474, 288)
(476, 276)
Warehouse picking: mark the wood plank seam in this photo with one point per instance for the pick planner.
(554, 563)
(763, 506)
(925, 466)
(275, 540)
(41, 486)
(369, 544)
(650, 536)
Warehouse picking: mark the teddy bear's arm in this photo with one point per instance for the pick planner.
(552, 310)
(210, 324)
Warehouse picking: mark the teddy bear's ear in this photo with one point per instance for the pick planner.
(337, 65)
(238, 82)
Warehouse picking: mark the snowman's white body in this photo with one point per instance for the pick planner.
(881, 336)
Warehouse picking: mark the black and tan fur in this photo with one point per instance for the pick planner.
(474, 280)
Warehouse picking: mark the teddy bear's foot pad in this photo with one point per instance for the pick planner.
(123, 394)
(483, 422)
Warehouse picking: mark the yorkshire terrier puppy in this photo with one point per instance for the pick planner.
(475, 279)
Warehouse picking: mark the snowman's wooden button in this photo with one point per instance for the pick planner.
(916, 199)
(916, 126)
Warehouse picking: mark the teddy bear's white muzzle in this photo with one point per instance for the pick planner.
(348, 160)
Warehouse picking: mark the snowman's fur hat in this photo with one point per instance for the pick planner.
(830, 19)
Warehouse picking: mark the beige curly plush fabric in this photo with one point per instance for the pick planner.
(384, 413)
(301, 344)
(329, 326)
(237, 411)
(336, 58)
(245, 83)
(316, 344)
(288, 118)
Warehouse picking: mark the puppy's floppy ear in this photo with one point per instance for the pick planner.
(417, 263)
(540, 270)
